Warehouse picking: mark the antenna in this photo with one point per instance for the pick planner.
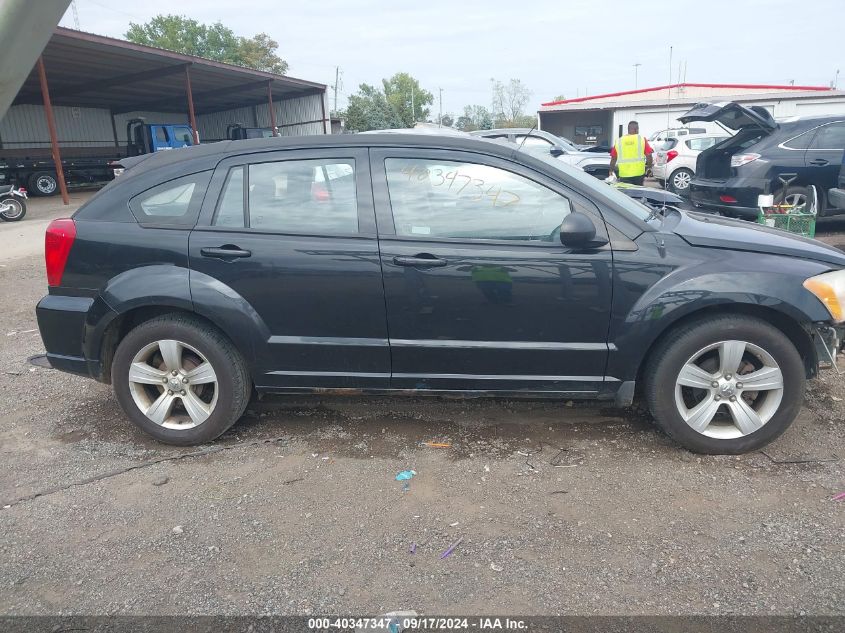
(525, 138)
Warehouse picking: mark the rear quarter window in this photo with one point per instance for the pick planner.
(173, 203)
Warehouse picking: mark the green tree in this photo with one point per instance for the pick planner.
(369, 109)
(185, 35)
(401, 90)
(475, 117)
(509, 101)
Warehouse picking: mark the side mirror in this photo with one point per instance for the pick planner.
(556, 151)
(578, 231)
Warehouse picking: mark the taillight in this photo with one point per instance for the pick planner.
(57, 243)
(672, 153)
(727, 199)
(738, 160)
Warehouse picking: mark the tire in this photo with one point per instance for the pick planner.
(766, 349)
(43, 183)
(792, 195)
(16, 209)
(204, 408)
(682, 176)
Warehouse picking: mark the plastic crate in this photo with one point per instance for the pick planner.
(798, 223)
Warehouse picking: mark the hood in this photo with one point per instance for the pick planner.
(731, 115)
(701, 229)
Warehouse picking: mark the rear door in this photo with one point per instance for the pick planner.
(480, 293)
(823, 157)
(292, 233)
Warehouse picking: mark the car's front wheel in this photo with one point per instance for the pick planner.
(725, 385)
(180, 379)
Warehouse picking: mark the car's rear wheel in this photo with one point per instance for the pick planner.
(180, 380)
(680, 180)
(725, 385)
(793, 196)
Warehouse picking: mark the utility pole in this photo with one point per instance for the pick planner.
(636, 69)
(75, 15)
(440, 116)
(336, 83)
(413, 111)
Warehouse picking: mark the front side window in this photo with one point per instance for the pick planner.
(175, 202)
(303, 196)
(461, 200)
(183, 136)
(829, 137)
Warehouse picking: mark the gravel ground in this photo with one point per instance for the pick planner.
(562, 509)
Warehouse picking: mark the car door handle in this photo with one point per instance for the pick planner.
(227, 251)
(423, 259)
(821, 162)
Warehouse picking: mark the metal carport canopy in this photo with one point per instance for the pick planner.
(88, 70)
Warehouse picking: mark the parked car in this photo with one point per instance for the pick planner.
(674, 159)
(594, 163)
(418, 264)
(660, 137)
(765, 157)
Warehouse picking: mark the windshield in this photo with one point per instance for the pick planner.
(591, 183)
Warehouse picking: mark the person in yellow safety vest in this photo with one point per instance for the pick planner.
(632, 154)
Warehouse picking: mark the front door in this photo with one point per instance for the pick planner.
(480, 293)
(823, 157)
(290, 235)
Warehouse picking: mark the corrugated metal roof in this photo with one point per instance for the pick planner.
(90, 70)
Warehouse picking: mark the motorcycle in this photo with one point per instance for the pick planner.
(12, 203)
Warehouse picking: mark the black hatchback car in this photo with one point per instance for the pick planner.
(428, 265)
(765, 157)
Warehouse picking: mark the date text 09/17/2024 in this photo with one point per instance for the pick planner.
(396, 624)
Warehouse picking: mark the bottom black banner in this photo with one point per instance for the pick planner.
(394, 623)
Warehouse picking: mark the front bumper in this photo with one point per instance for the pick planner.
(62, 323)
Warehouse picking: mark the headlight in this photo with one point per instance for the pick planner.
(830, 289)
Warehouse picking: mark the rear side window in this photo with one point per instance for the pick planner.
(802, 141)
(303, 196)
(230, 208)
(700, 144)
(173, 203)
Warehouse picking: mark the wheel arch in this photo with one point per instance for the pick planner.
(792, 329)
(123, 323)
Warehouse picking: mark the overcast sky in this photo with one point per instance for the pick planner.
(568, 47)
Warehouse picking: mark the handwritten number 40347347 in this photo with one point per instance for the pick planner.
(462, 185)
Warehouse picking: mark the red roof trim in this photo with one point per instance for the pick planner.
(654, 89)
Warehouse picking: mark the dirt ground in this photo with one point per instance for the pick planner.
(561, 509)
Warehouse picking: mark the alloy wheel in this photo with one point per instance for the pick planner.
(173, 384)
(729, 389)
(681, 180)
(794, 200)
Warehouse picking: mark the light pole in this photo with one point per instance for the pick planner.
(636, 69)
